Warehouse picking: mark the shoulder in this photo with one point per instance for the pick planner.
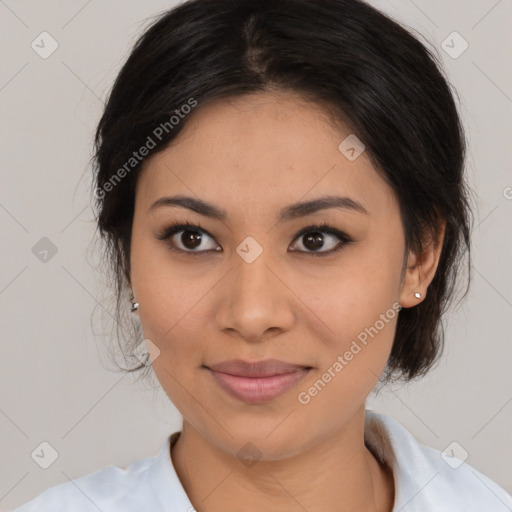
(112, 489)
(428, 479)
(106, 490)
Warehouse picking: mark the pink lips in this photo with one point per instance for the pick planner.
(257, 382)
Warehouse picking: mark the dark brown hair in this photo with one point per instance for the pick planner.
(370, 71)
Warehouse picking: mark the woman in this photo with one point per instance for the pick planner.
(280, 187)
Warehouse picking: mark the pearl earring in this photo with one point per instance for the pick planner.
(417, 295)
(135, 305)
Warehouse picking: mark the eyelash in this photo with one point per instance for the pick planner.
(176, 227)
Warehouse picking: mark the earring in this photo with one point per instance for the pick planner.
(135, 305)
(417, 295)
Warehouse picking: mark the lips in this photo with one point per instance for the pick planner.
(266, 368)
(257, 382)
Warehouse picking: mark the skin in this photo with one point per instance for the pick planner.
(252, 156)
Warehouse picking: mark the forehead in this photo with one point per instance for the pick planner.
(260, 152)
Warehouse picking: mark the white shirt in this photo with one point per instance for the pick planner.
(424, 481)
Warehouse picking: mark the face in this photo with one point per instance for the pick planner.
(257, 284)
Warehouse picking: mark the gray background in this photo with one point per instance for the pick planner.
(56, 382)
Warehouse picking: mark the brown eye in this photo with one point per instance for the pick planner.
(313, 241)
(315, 238)
(193, 239)
(188, 238)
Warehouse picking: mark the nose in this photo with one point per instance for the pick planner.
(255, 303)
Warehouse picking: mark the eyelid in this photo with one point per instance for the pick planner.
(323, 228)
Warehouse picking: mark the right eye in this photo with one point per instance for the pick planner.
(187, 235)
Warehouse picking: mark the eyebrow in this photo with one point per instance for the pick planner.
(288, 213)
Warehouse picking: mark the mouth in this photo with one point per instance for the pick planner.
(257, 382)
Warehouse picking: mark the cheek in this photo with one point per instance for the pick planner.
(354, 294)
(170, 313)
(170, 298)
(359, 303)
(361, 314)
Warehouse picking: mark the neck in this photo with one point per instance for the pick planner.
(339, 473)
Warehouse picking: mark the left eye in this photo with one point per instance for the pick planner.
(312, 238)
(313, 241)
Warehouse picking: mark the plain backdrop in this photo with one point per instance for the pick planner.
(56, 384)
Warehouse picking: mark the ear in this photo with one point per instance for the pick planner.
(421, 269)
